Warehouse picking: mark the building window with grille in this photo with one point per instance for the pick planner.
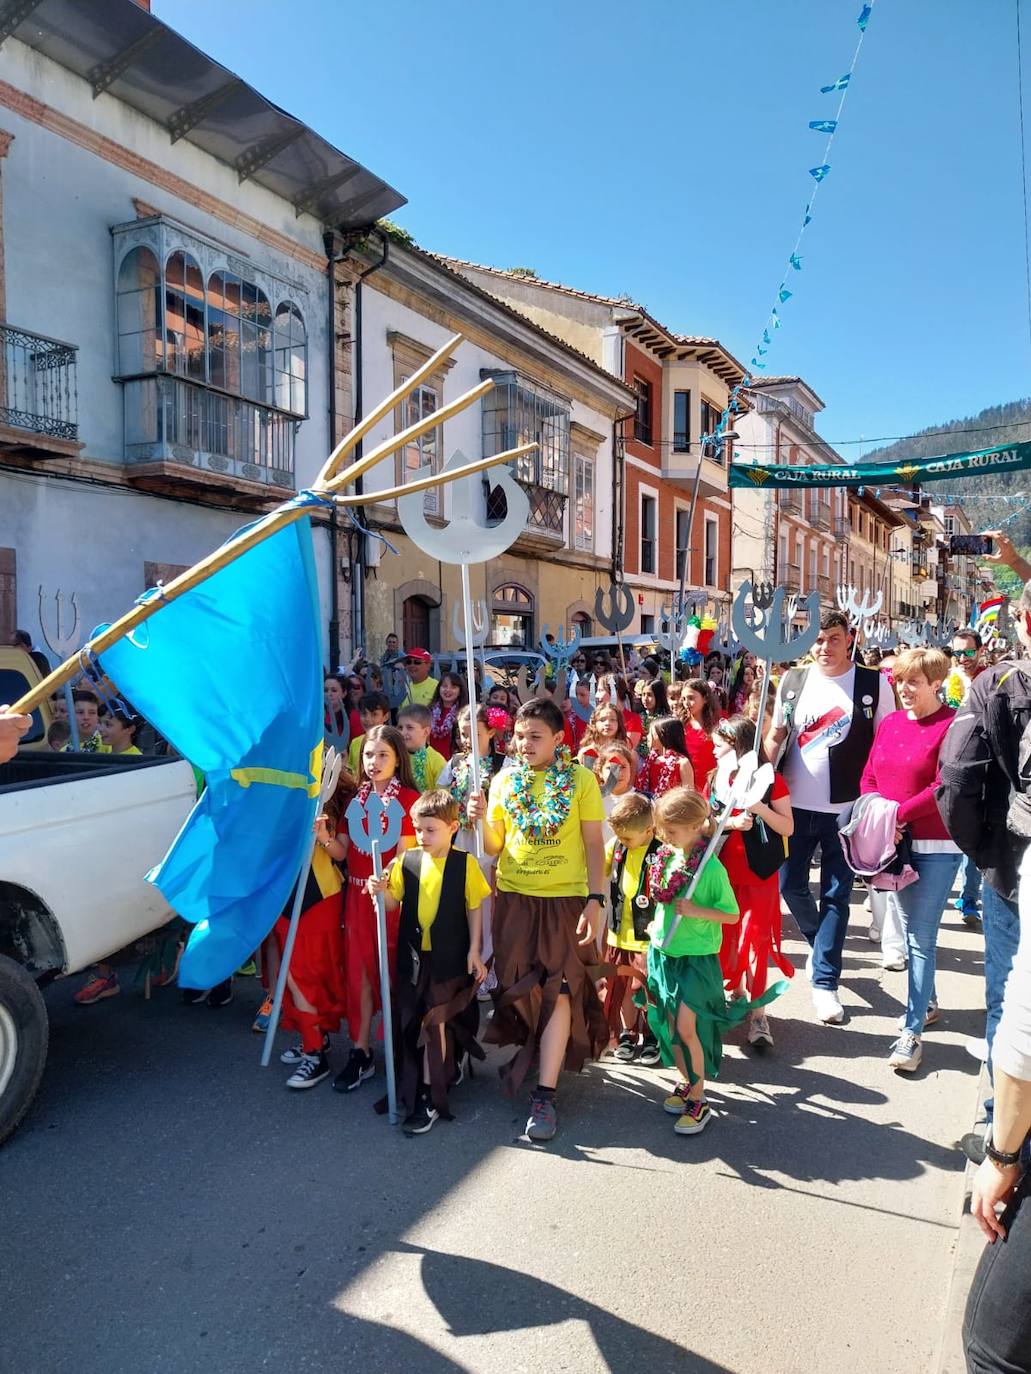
(712, 547)
(423, 452)
(643, 418)
(511, 618)
(648, 517)
(516, 412)
(583, 503)
(681, 422)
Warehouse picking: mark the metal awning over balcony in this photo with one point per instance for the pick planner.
(121, 49)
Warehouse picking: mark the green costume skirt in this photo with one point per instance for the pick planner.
(694, 981)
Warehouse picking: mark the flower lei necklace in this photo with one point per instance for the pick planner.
(671, 870)
(418, 760)
(543, 817)
(389, 793)
(668, 764)
(461, 782)
(442, 722)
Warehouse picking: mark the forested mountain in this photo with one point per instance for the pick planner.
(1002, 424)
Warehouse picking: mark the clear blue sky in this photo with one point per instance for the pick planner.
(661, 149)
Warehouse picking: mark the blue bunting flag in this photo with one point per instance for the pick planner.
(840, 85)
(784, 294)
(796, 262)
(864, 18)
(823, 126)
(818, 173)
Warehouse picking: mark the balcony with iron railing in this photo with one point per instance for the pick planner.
(842, 528)
(39, 406)
(824, 585)
(790, 577)
(790, 502)
(179, 433)
(821, 516)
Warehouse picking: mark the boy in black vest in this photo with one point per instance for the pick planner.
(631, 911)
(823, 727)
(440, 891)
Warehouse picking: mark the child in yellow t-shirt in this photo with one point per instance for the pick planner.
(373, 709)
(543, 818)
(427, 763)
(440, 891)
(631, 910)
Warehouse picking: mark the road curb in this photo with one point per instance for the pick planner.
(967, 1252)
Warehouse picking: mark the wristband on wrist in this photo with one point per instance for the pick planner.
(598, 897)
(1004, 1159)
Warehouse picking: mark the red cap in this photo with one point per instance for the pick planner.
(421, 654)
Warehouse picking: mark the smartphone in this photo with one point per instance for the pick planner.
(976, 544)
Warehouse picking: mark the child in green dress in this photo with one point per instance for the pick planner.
(687, 1007)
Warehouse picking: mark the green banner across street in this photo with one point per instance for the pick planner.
(980, 462)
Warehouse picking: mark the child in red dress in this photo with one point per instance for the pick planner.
(757, 837)
(388, 773)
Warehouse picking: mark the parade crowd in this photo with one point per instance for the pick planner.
(572, 906)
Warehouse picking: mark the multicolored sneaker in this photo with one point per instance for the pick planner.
(247, 970)
(260, 1023)
(96, 988)
(674, 1104)
(696, 1117)
(542, 1122)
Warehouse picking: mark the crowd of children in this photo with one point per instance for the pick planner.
(575, 890)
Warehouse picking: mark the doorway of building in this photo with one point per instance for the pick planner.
(415, 623)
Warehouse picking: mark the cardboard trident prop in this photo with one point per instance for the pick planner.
(765, 634)
(330, 776)
(468, 538)
(615, 610)
(374, 828)
(62, 643)
(328, 486)
(858, 610)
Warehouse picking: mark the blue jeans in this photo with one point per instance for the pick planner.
(1001, 922)
(826, 925)
(971, 894)
(922, 903)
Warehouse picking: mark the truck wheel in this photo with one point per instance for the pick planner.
(24, 1033)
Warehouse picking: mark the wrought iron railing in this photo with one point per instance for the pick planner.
(824, 584)
(842, 529)
(822, 516)
(170, 419)
(791, 576)
(547, 509)
(791, 501)
(38, 387)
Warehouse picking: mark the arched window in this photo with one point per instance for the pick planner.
(184, 317)
(239, 337)
(139, 312)
(511, 620)
(582, 621)
(291, 360)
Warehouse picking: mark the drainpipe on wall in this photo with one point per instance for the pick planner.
(331, 243)
(618, 491)
(358, 571)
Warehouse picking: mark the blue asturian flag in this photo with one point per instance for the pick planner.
(231, 674)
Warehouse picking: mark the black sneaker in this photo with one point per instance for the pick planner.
(422, 1119)
(462, 1066)
(312, 1069)
(650, 1054)
(221, 995)
(358, 1068)
(626, 1049)
(295, 1053)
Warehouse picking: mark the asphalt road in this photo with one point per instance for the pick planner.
(168, 1206)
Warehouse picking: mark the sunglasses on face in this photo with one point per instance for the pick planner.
(964, 653)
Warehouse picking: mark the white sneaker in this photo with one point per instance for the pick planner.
(933, 1014)
(759, 1030)
(873, 934)
(905, 1053)
(809, 966)
(828, 1006)
(894, 963)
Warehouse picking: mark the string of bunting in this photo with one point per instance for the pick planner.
(819, 174)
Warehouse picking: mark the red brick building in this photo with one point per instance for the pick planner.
(682, 382)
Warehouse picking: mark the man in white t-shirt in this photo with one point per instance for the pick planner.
(824, 718)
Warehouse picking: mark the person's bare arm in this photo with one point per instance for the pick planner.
(1007, 555)
(493, 840)
(1011, 1122)
(775, 737)
(12, 727)
(594, 851)
(475, 964)
(693, 912)
(777, 815)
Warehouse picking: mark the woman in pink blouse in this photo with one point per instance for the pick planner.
(903, 767)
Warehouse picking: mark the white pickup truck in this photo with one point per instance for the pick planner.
(77, 834)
